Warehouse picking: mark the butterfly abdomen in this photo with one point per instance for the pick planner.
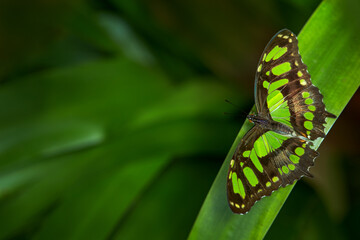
(271, 125)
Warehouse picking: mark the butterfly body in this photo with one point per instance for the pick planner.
(268, 124)
(277, 150)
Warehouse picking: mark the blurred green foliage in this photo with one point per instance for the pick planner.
(112, 123)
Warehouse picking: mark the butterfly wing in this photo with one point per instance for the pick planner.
(284, 91)
(262, 162)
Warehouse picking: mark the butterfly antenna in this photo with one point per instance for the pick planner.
(241, 114)
(226, 100)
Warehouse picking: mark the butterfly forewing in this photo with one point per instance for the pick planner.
(278, 61)
(284, 89)
(265, 160)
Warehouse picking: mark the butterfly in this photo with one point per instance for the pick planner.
(277, 151)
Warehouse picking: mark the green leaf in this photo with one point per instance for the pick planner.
(329, 46)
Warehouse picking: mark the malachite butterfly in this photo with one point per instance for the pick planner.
(277, 150)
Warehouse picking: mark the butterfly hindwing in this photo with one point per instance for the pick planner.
(308, 113)
(262, 162)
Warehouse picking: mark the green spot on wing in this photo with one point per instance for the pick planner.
(266, 84)
(299, 151)
(264, 56)
(312, 108)
(281, 68)
(281, 114)
(276, 53)
(280, 53)
(305, 94)
(242, 189)
(250, 176)
(279, 109)
(261, 147)
(274, 143)
(285, 169)
(246, 153)
(303, 82)
(308, 125)
(295, 159)
(272, 53)
(266, 143)
(274, 99)
(277, 84)
(255, 161)
(274, 139)
(235, 183)
(309, 101)
(309, 115)
(291, 167)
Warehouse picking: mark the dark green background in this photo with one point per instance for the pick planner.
(112, 121)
